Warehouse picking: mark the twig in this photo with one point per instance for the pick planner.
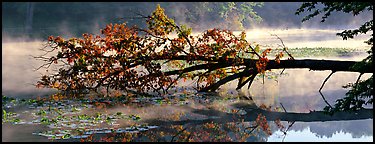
(283, 107)
(326, 80)
(187, 139)
(173, 82)
(46, 65)
(252, 79)
(356, 84)
(263, 77)
(282, 71)
(284, 137)
(284, 47)
(178, 134)
(321, 94)
(289, 126)
(253, 128)
(241, 78)
(254, 51)
(320, 90)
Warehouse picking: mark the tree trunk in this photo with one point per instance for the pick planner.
(332, 65)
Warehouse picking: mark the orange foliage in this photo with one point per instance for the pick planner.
(129, 58)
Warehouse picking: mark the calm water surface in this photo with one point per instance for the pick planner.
(296, 90)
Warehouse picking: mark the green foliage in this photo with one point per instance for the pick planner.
(347, 7)
(160, 23)
(227, 15)
(184, 31)
(4, 114)
(9, 117)
(361, 93)
(78, 17)
(41, 112)
(304, 52)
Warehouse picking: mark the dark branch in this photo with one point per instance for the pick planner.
(320, 90)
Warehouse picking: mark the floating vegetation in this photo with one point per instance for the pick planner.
(65, 120)
(322, 51)
(71, 119)
(84, 133)
(10, 117)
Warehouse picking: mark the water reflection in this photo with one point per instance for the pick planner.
(296, 90)
(307, 135)
(17, 64)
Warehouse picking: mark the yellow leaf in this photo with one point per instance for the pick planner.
(56, 85)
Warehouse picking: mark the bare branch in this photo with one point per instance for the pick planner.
(173, 82)
(248, 80)
(252, 128)
(282, 71)
(254, 51)
(359, 77)
(289, 126)
(178, 134)
(322, 87)
(46, 65)
(356, 84)
(284, 47)
(326, 80)
(283, 107)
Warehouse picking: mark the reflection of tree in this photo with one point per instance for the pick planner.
(299, 94)
(238, 127)
(315, 102)
(356, 128)
(314, 116)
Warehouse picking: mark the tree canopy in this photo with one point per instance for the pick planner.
(226, 15)
(154, 59)
(131, 58)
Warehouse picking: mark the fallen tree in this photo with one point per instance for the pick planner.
(154, 59)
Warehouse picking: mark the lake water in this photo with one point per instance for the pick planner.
(296, 90)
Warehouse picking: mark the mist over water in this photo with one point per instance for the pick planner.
(302, 38)
(18, 66)
(291, 89)
(18, 69)
(73, 19)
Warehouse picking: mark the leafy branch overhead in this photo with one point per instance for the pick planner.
(155, 59)
(152, 59)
